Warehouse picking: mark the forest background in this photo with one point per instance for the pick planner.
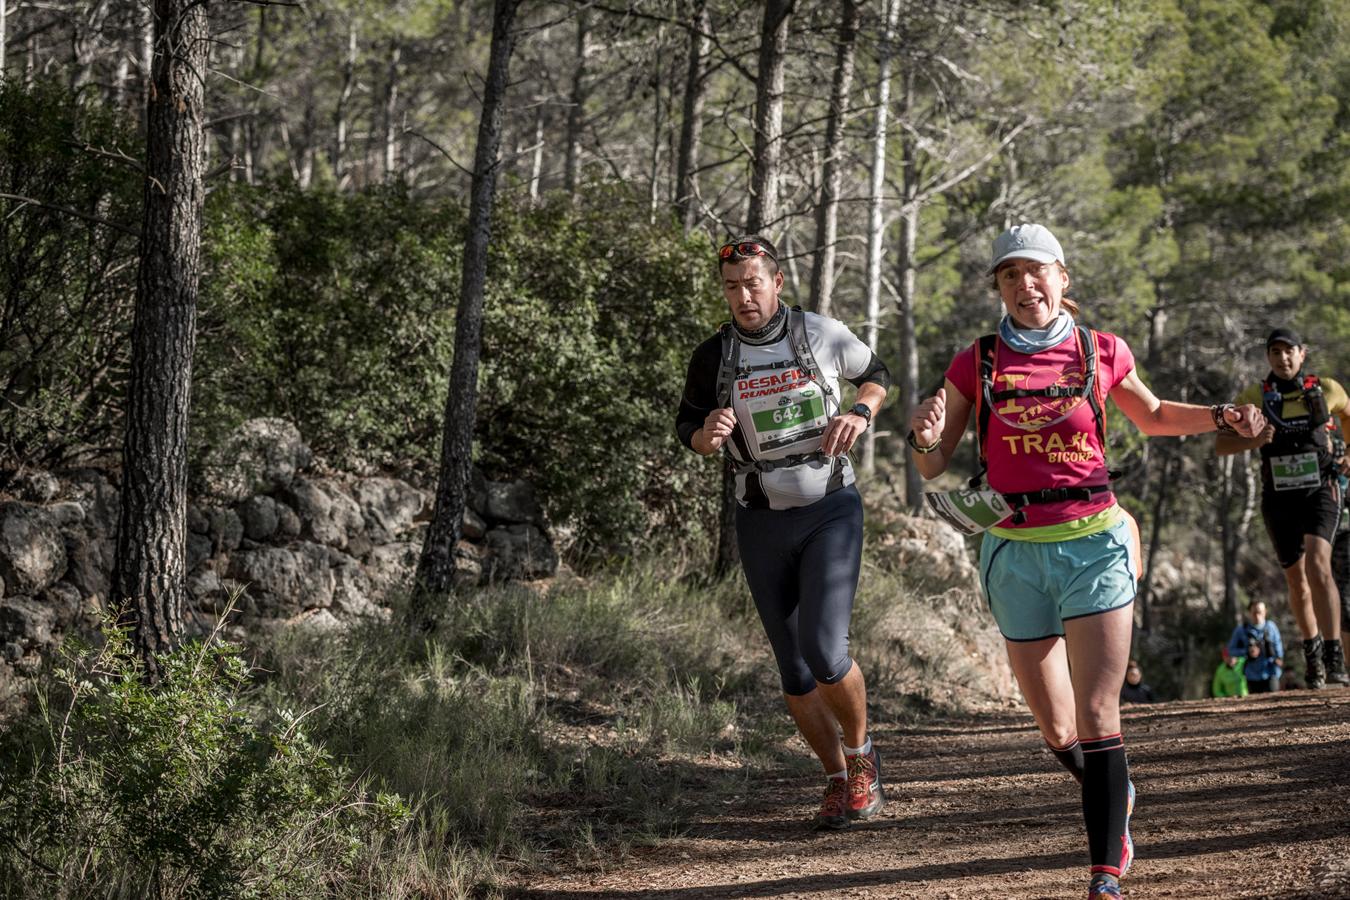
(1192, 156)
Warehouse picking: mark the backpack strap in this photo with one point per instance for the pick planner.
(801, 349)
(985, 349)
(1087, 345)
(728, 362)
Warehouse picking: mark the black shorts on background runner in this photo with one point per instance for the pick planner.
(1289, 518)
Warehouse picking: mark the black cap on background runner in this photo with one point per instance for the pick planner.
(1284, 335)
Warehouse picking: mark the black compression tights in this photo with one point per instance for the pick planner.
(802, 567)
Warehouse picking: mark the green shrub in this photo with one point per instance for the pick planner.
(592, 315)
(116, 788)
(337, 311)
(67, 275)
(334, 311)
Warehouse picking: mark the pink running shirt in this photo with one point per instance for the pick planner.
(1045, 442)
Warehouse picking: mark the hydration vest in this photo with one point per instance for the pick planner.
(986, 397)
(1296, 434)
(729, 369)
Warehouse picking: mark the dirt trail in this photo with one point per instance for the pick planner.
(1237, 798)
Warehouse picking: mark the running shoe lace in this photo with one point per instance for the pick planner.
(862, 773)
(835, 803)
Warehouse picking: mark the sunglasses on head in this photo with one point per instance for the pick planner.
(744, 248)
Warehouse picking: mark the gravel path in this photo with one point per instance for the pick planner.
(1237, 798)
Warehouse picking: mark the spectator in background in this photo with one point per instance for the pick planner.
(1258, 640)
(1134, 690)
(1229, 680)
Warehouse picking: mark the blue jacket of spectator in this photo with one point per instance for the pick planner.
(1268, 636)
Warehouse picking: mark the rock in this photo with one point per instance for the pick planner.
(36, 487)
(284, 581)
(66, 514)
(259, 517)
(477, 492)
(261, 456)
(226, 530)
(512, 502)
(346, 512)
(390, 568)
(89, 563)
(100, 500)
(316, 621)
(288, 523)
(197, 522)
(327, 514)
(474, 526)
(359, 545)
(929, 548)
(32, 550)
(469, 561)
(26, 621)
(206, 590)
(352, 590)
(314, 508)
(519, 552)
(389, 507)
(65, 602)
(12, 651)
(199, 550)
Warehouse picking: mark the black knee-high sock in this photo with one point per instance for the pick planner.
(1105, 785)
(1071, 757)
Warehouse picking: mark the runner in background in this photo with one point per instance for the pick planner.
(1301, 497)
(1060, 571)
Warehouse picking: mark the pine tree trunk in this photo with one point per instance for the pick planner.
(763, 211)
(340, 112)
(391, 113)
(907, 272)
(436, 567)
(875, 225)
(658, 127)
(149, 577)
(576, 112)
(827, 214)
(691, 127)
(1154, 543)
(537, 163)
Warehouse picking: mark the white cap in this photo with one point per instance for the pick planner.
(1034, 242)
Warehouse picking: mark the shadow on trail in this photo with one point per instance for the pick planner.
(835, 882)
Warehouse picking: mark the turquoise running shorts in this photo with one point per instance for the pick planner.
(1034, 588)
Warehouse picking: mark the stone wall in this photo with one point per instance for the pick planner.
(303, 545)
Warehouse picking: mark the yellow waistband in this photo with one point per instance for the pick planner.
(1064, 531)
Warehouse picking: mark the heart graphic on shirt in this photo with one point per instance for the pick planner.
(1035, 413)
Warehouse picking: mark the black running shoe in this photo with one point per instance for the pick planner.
(1333, 655)
(1315, 674)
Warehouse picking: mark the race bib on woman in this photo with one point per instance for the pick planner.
(969, 512)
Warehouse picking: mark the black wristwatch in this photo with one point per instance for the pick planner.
(862, 409)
